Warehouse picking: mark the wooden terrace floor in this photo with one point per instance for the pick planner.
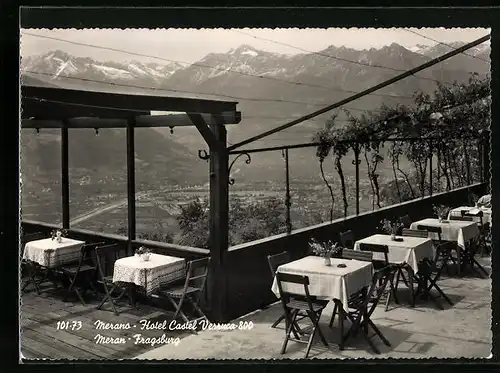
(41, 339)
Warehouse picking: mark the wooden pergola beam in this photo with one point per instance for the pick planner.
(41, 109)
(208, 133)
(128, 101)
(171, 120)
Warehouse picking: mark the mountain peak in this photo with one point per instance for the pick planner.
(58, 54)
(245, 49)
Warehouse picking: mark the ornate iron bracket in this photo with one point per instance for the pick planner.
(202, 154)
(247, 161)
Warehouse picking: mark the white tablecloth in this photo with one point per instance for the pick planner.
(452, 230)
(411, 250)
(325, 282)
(50, 253)
(486, 213)
(150, 275)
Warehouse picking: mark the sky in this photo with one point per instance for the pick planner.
(191, 45)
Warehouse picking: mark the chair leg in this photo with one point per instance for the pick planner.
(342, 314)
(391, 293)
(378, 332)
(278, 321)
(474, 261)
(332, 319)
(316, 328)
(31, 279)
(290, 318)
(70, 288)
(370, 342)
(196, 307)
(107, 296)
(178, 311)
(433, 298)
(320, 333)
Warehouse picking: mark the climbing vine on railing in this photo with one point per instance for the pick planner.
(446, 124)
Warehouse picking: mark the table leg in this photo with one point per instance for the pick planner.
(132, 291)
(459, 258)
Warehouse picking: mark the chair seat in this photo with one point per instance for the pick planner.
(72, 269)
(304, 306)
(178, 291)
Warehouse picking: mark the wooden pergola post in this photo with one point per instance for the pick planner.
(216, 137)
(219, 223)
(65, 175)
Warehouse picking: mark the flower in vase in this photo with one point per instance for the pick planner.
(324, 249)
(441, 211)
(390, 227)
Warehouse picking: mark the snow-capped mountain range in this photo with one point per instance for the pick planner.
(56, 65)
(270, 88)
(245, 60)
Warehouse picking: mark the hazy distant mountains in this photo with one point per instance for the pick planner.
(313, 80)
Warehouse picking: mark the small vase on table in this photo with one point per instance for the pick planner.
(58, 236)
(393, 237)
(328, 261)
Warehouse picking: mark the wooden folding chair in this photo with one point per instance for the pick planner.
(414, 233)
(347, 239)
(84, 270)
(432, 229)
(430, 272)
(469, 257)
(107, 255)
(411, 280)
(461, 218)
(274, 261)
(292, 307)
(31, 269)
(445, 256)
(483, 228)
(378, 264)
(362, 305)
(190, 291)
(364, 256)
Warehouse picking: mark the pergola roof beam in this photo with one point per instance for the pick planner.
(42, 109)
(127, 101)
(171, 120)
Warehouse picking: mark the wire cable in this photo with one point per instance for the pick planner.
(184, 91)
